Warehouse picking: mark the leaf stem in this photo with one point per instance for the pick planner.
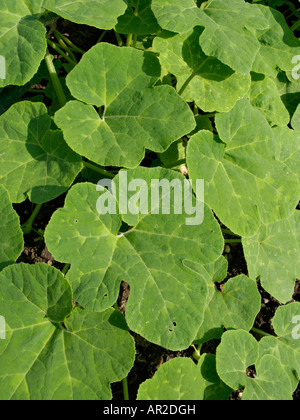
(65, 269)
(260, 332)
(125, 389)
(186, 83)
(99, 170)
(61, 52)
(55, 80)
(119, 39)
(68, 41)
(295, 26)
(27, 226)
(228, 232)
(233, 241)
(129, 40)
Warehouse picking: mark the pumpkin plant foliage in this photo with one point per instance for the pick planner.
(169, 93)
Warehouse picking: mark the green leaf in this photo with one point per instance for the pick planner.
(43, 359)
(167, 300)
(138, 19)
(34, 160)
(181, 379)
(288, 148)
(175, 15)
(102, 14)
(273, 255)
(241, 168)
(238, 351)
(234, 308)
(278, 45)
(35, 6)
(286, 346)
(11, 233)
(265, 97)
(296, 119)
(136, 115)
(205, 80)
(22, 42)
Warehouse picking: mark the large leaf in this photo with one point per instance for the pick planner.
(102, 14)
(136, 115)
(206, 80)
(181, 379)
(167, 300)
(288, 148)
(286, 346)
(50, 353)
(22, 42)
(34, 160)
(238, 351)
(273, 255)
(138, 19)
(244, 181)
(11, 233)
(278, 45)
(234, 308)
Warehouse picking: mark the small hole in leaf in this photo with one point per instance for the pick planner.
(251, 372)
(76, 221)
(170, 330)
(105, 295)
(174, 323)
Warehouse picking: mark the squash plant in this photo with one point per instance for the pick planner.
(171, 90)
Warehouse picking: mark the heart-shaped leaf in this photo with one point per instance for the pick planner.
(242, 168)
(206, 80)
(138, 19)
(136, 115)
(34, 160)
(167, 300)
(50, 352)
(238, 351)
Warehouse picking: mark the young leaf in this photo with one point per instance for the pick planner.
(167, 300)
(22, 42)
(243, 170)
(34, 160)
(286, 346)
(234, 308)
(102, 14)
(50, 353)
(205, 80)
(136, 115)
(238, 351)
(273, 255)
(181, 379)
(11, 233)
(138, 19)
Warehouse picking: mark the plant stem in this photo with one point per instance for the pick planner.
(260, 332)
(65, 269)
(129, 40)
(228, 232)
(27, 226)
(125, 389)
(134, 40)
(186, 83)
(61, 52)
(68, 41)
(233, 241)
(295, 26)
(99, 170)
(66, 48)
(102, 36)
(55, 80)
(119, 39)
